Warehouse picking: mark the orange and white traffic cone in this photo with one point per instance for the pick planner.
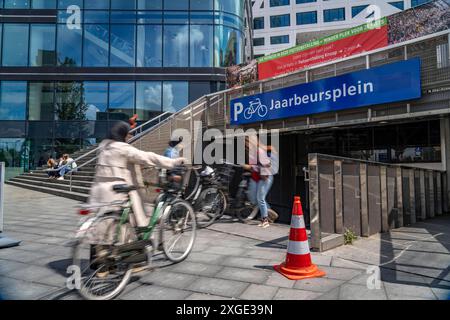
(298, 264)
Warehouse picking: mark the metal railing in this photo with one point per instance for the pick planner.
(370, 197)
(139, 131)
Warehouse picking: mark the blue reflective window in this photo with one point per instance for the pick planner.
(123, 17)
(278, 3)
(415, 3)
(357, 9)
(123, 4)
(258, 23)
(176, 45)
(13, 100)
(176, 17)
(15, 44)
(43, 4)
(96, 45)
(149, 46)
(123, 43)
(96, 16)
(96, 4)
(282, 20)
(232, 6)
(201, 46)
(69, 43)
(148, 99)
(121, 98)
(398, 4)
(202, 17)
(306, 17)
(176, 5)
(150, 4)
(228, 47)
(95, 99)
(42, 45)
(279, 39)
(17, 4)
(227, 19)
(175, 95)
(331, 15)
(40, 101)
(202, 5)
(149, 17)
(64, 4)
(304, 1)
(68, 102)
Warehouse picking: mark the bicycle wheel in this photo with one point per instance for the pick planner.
(101, 278)
(178, 227)
(247, 212)
(210, 206)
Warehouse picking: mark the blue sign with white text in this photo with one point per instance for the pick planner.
(393, 82)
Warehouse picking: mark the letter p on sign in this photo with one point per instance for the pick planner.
(238, 108)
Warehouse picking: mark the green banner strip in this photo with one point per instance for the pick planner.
(322, 41)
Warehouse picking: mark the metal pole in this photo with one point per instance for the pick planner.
(2, 184)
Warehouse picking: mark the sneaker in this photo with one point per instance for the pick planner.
(264, 223)
(61, 178)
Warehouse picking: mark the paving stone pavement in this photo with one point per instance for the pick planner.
(229, 261)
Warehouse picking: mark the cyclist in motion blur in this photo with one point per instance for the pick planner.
(119, 163)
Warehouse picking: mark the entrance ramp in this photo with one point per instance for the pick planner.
(368, 198)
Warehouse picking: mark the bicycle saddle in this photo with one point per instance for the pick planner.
(123, 188)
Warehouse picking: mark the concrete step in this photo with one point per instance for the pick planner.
(66, 194)
(331, 241)
(79, 183)
(75, 177)
(81, 171)
(51, 185)
(88, 167)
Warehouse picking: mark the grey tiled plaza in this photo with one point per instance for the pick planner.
(230, 260)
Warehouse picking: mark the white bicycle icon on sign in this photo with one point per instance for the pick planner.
(256, 107)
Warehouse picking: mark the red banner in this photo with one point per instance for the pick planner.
(342, 47)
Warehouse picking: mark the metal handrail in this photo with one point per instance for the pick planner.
(138, 128)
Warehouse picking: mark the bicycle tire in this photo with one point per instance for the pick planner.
(213, 216)
(170, 222)
(83, 290)
(247, 213)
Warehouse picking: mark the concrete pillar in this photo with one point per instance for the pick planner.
(438, 192)
(339, 209)
(423, 208)
(364, 200)
(384, 199)
(412, 197)
(431, 191)
(445, 155)
(314, 204)
(399, 185)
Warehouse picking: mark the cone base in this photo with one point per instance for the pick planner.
(298, 274)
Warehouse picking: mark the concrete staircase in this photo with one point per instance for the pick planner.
(152, 136)
(81, 180)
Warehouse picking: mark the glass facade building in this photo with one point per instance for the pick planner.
(69, 68)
